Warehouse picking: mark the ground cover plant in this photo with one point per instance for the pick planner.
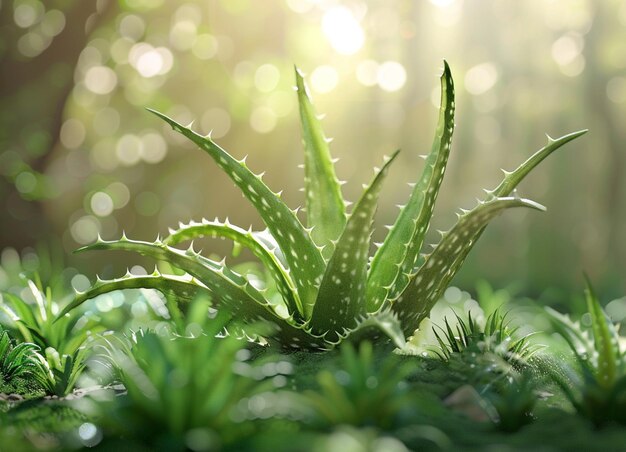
(316, 357)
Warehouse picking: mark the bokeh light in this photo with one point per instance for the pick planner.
(481, 78)
(150, 61)
(324, 79)
(343, 30)
(391, 76)
(98, 162)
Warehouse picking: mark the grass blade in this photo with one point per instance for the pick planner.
(398, 255)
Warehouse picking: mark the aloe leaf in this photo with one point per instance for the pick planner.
(248, 239)
(399, 252)
(325, 207)
(374, 325)
(433, 277)
(230, 290)
(184, 288)
(512, 179)
(509, 183)
(603, 340)
(304, 258)
(341, 295)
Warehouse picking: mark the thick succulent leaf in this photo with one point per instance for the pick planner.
(341, 296)
(400, 251)
(512, 179)
(306, 263)
(230, 289)
(184, 288)
(325, 207)
(249, 240)
(506, 187)
(433, 277)
(373, 326)
(608, 355)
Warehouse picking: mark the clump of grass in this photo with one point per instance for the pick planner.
(35, 319)
(183, 390)
(362, 392)
(495, 337)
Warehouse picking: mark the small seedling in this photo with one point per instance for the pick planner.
(496, 337)
(59, 373)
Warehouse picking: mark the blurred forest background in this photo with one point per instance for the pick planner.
(79, 155)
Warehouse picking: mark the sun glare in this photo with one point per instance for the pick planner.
(343, 30)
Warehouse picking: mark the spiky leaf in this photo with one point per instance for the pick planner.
(304, 258)
(249, 240)
(509, 183)
(341, 296)
(398, 255)
(325, 208)
(433, 277)
(184, 288)
(374, 325)
(512, 179)
(230, 289)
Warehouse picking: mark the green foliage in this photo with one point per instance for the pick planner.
(496, 336)
(514, 402)
(597, 389)
(363, 392)
(330, 290)
(182, 387)
(16, 360)
(63, 339)
(34, 319)
(59, 373)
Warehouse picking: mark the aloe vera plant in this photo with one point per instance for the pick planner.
(330, 287)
